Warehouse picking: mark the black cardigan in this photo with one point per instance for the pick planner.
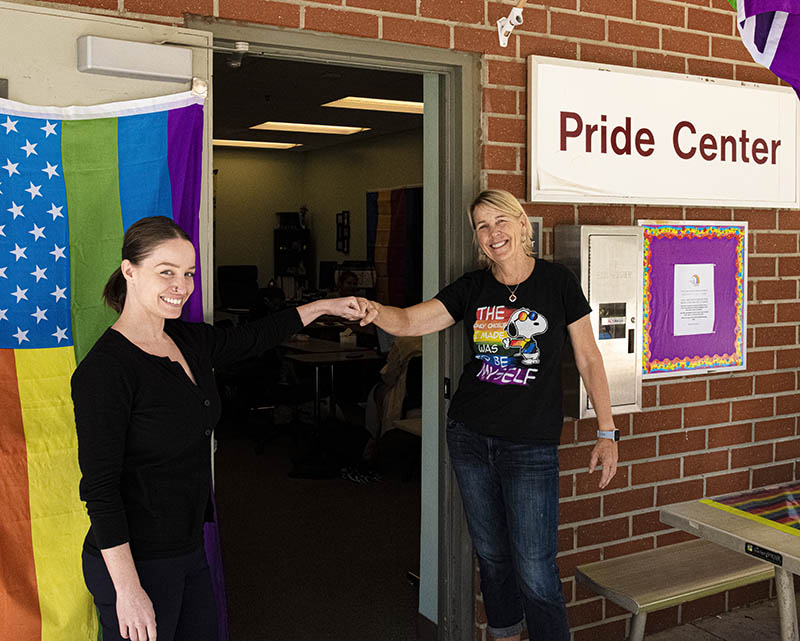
(144, 432)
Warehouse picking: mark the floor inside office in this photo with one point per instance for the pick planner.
(313, 560)
(758, 622)
(318, 560)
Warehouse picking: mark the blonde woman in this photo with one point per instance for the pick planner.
(504, 422)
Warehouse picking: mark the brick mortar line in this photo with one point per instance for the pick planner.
(721, 377)
(641, 537)
(73, 8)
(639, 49)
(505, 88)
(119, 12)
(729, 398)
(507, 117)
(596, 546)
(770, 301)
(344, 9)
(645, 510)
(588, 626)
(682, 3)
(512, 145)
(176, 21)
(679, 457)
(678, 3)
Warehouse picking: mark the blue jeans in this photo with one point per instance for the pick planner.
(510, 495)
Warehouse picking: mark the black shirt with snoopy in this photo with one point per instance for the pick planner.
(511, 387)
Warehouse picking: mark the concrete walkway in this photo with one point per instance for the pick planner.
(758, 622)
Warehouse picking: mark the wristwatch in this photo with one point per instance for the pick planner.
(609, 434)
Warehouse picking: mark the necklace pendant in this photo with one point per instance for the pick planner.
(512, 298)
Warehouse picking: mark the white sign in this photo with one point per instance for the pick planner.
(602, 133)
(693, 300)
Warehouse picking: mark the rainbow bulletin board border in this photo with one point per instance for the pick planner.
(775, 507)
(669, 243)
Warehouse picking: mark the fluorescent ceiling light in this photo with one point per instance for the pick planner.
(378, 104)
(309, 129)
(255, 143)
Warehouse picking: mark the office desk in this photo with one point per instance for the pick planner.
(331, 359)
(316, 465)
(763, 523)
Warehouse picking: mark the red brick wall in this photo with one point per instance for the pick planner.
(698, 435)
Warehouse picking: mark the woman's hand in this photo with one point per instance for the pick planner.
(347, 307)
(605, 453)
(137, 620)
(369, 310)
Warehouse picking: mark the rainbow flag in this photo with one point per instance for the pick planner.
(394, 245)
(72, 180)
(770, 30)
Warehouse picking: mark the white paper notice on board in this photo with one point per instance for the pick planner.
(693, 302)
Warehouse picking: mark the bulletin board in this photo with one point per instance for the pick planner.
(695, 293)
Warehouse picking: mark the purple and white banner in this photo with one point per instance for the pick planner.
(771, 32)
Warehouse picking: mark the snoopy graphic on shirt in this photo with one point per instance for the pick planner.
(505, 340)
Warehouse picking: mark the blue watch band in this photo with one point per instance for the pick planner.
(609, 434)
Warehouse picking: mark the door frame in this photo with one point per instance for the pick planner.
(459, 98)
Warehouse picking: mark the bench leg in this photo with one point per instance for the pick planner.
(784, 582)
(637, 626)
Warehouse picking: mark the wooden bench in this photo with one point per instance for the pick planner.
(656, 579)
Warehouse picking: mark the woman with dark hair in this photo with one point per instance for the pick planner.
(145, 407)
(504, 422)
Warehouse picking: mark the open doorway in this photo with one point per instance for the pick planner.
(451, 169)
(310, 492)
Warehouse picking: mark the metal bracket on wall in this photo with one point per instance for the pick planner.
(3, 87)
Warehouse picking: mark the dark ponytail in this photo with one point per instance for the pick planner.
(115, 290)
(140, 240)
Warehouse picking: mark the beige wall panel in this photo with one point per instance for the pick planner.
(338, 178)
(252, 185)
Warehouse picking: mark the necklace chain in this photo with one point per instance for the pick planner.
(512, 293)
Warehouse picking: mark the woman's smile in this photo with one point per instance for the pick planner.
(173, 300)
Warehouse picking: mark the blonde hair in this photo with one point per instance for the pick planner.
(505, 202)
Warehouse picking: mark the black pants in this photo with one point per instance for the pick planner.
(180, 589)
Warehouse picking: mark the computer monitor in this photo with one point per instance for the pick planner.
(364, 271)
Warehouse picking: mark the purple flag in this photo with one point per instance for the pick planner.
(770, 30)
